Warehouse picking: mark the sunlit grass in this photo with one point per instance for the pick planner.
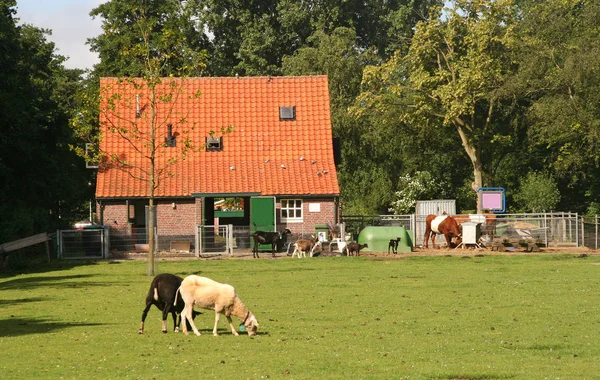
(491, 317)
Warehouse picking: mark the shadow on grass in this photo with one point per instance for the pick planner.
(19, 326)
(4, 303)
(37, 281)
(44, 267)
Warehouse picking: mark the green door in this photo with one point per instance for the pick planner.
(262, 216)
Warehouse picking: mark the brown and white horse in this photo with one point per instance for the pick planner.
(442, 225)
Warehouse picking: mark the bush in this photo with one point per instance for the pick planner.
(538, 193)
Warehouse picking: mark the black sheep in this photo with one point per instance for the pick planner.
(162, 295)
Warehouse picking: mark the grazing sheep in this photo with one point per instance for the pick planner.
(162, 295)
(393, 245)
(263, 237)
(222, 298)
(302, 246)
(353, 249)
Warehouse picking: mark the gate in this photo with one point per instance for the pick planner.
(83, 244)
(214, 240)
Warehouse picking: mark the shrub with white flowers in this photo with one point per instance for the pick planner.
(421, 185)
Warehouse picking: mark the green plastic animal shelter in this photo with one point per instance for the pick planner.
(378, 238)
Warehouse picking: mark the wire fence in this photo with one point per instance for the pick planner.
(551, 229)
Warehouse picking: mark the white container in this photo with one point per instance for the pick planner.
(471, 232)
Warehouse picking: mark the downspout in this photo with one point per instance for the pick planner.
(336, 202)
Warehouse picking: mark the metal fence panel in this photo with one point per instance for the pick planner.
(553, 229)
(82, 244)
(214, 240)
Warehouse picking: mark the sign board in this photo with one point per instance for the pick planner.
(492, 198)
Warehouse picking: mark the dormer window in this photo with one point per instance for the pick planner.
(287, 113)
(214, 143)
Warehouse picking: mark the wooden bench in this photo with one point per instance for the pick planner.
(26, 242)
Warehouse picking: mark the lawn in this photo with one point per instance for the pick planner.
(489, 317)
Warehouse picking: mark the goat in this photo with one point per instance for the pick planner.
(393, 245)
(211, 295)
(353, 249)
(302, 246)
(162, 295)
(263, 237)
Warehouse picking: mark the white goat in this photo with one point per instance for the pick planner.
(222, 298)
(302, 246)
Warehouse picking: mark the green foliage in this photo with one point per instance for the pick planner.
(538, 193)
(451, 77)
(138, 33)
(343, 318)
(559, 72)
(43, 183)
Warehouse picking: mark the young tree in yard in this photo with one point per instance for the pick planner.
(155, 48)
(452, 77)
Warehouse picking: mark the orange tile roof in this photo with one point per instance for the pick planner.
(261, 155)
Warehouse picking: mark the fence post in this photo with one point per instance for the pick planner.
(546, 230)
(197, 240)
(577, 229)
(59, 252)
(229, 235)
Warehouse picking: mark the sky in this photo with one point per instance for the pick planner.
(70, 23)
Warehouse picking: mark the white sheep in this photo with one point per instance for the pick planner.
(222, 298)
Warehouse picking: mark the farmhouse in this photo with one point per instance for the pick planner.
(265, 142)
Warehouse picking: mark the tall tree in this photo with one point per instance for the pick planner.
(169, 24)
(37, 171)
(559, 73)
(452, 76)
(251, 38)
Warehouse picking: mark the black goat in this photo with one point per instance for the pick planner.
(162, 295)
(394, 245)
(263, 237)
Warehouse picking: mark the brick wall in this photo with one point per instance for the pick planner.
(325, 214)
(115, 216)
(176, 217)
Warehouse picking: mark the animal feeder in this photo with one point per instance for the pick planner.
(471, 232)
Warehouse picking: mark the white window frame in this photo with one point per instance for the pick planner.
(291, 204)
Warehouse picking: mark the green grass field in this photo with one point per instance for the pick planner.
(490, 317)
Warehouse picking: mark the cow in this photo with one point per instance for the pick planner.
(444, 225)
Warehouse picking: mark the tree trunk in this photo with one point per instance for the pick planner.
(151, 238)
(475, 156)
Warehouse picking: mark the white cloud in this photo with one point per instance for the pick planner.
(71, 26)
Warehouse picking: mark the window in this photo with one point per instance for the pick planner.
(287, 113)
(214, 143)
(291, 209)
